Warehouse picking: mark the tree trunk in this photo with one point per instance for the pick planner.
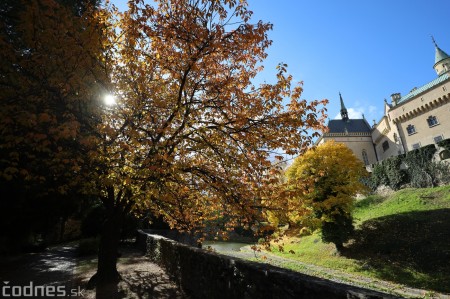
(339, 246)
(108, 251)
(107, 273)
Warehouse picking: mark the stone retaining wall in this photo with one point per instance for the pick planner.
(204, 274)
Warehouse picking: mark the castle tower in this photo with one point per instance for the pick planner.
(441, 61)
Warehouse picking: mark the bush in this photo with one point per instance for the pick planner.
(421, 171)
(445, 144)
(378, 177)
(395, 175)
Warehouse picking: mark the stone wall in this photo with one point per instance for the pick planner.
(204, 274)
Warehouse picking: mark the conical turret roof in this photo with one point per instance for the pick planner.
(440, 55)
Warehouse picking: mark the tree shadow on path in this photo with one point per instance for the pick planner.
(141, 278)
(410, 248)
(60, 267)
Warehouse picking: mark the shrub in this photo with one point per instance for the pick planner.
(378, 177)
(445, 144)
(395, 175)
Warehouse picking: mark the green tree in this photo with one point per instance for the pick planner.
(322, 184)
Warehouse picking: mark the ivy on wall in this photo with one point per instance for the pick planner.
(419, 171)
(445, 144)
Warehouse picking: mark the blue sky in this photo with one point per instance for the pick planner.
(366, 50)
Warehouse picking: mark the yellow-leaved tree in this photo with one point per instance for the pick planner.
(320, 190)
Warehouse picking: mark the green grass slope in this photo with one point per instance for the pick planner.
(403, 238)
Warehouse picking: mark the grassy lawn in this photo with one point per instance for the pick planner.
(403, 238)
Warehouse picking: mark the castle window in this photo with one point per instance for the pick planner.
(444, 88)
(365, 158)
(416, 145)
(395, 137)
(438, 138)
(385, 146)
(411, 129)
(432, 121)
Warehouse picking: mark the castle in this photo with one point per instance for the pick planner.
(417, 119)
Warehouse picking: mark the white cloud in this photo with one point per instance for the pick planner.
(372, 112)
(353, 113)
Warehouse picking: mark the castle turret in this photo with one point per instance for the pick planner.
(395, 97)
(441, 61)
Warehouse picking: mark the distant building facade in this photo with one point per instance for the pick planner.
(420, 118)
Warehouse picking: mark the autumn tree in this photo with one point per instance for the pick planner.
(191, 137)
(49, 107)
(320, 190)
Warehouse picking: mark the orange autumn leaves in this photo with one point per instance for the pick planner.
(200, 133)
(190, 137)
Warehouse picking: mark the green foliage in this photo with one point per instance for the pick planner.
(421, 171)
(378, 177)
(421, 156)
(381, 252)
(394, 174)
(388, 173)
(445, 144)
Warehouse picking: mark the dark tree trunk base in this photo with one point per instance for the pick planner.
(98, 280)
(339, 247)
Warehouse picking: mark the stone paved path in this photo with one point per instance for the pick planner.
(50, 272)
(56, 272)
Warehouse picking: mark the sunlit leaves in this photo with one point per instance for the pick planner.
(191, 136)
(321, 184)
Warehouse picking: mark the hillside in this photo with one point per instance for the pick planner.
(403, 238)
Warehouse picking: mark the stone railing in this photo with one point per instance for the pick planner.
(204, 274)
